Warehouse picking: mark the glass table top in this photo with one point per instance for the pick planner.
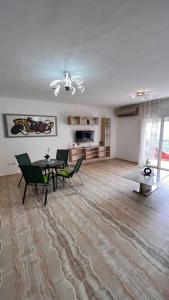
(155, 177)
(45, 163)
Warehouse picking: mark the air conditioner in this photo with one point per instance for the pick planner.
(126, 111)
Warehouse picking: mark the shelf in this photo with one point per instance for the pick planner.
(95, 154)
(92, 158)
(106, 131)
(92, 153)
(88, 151)
(82, 120)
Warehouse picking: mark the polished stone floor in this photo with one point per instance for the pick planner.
(104, 243)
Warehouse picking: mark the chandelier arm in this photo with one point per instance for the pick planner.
(77, 79)
(57, 90)
(73, 89)
(54, 83)
(81, 88)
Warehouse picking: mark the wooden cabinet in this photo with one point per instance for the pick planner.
(75, 153)
(80, 120)
(106, 131)
(104, 151)
(89, 153)
(95, 152)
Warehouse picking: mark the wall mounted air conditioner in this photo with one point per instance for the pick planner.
(126, 111)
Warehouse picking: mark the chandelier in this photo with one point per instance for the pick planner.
(68, 84)
(142, 94)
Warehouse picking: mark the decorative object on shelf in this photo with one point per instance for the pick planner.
(29, 125)
(74, 145)
(68, 83)
(147, 171)
(47, 155)
(143, 94)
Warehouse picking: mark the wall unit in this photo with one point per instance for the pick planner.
(81, 120)
(106, 131)
(95, 152)
(89, 153)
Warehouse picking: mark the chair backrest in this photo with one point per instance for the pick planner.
(32, 174)
(23, 159)
(77, 165)
(62, 154)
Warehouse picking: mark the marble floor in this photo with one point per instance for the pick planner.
(105, 243)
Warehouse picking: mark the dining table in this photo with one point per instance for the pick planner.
(46, 165)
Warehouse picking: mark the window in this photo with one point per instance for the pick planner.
(159, 145)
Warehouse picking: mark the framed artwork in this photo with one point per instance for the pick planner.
(29, 125)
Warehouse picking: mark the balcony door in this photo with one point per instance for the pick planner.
(160, 142)
(163, 157)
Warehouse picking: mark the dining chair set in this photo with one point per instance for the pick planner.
(40, 173)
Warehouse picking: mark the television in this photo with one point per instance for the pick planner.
(83, 136)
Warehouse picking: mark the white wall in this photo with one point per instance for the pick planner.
(128, 138)
(37, 146)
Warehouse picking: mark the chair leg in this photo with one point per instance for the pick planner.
(53, 178)
(56, 182)
(23, 199)
(75, 188)
(46, 195)
(81, 180)
(20, 181)
(36, 187)
(64, 180)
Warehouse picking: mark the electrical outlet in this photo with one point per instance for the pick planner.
(11, 164)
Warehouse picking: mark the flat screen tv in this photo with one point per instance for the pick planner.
(83, 136)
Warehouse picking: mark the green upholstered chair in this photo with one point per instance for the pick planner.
(33, 176)
(23, 160)
(67, 173)
(62, 154)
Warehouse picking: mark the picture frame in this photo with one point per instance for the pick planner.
(28, 125)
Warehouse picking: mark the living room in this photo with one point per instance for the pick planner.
(84, 160)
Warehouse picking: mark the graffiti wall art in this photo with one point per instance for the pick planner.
(29, 125)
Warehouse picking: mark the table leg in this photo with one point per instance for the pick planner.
(56, 181)
(145, 190)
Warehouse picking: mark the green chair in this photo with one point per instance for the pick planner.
(23, 160)
(66, 173)
(33, 176)
(62, 154)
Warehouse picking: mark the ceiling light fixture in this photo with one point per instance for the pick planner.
(68, 83)
(142, 94)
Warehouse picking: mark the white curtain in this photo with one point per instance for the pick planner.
(150, 132)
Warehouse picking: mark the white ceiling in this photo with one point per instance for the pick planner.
(117, 46)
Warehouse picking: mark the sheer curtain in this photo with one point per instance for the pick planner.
(150, 132)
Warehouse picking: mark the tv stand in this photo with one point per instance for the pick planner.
(89, 153)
